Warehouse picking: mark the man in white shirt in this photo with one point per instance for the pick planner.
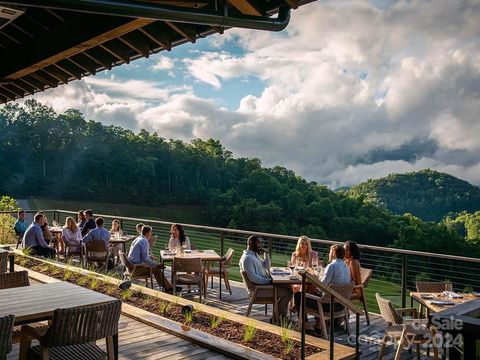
(256, 270)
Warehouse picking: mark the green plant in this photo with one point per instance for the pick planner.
(215, 321)
(67, 275)
(289, 346)
(164, 306)
(286, 327)
(188, 315)
(250, 331)
(82, 280)
(467, 290)
(127, 294)
(110, 289)
(94, 282)
(27, 251)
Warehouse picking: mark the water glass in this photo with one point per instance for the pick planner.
(448, 286)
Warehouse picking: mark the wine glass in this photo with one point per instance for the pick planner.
(184, 247)
(315, 264)
(291, 265)
(448, 286)
(54, 223)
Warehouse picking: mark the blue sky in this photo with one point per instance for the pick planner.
(351, 90)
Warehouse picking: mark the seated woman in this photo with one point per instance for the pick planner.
(178, 239)
(71, 235)
(116, 229)
(352, 259)
(303, 256)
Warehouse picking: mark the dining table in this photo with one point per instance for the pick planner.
(37, 302)
(122, 240)
(436, 302)
(204, 255)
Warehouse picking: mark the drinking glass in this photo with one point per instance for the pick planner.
(315, 264)
(291, 265)
(54, 223)
(448, 286)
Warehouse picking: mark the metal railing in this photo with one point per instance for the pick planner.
(395, 271)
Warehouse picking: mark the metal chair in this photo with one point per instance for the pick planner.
(3, 262)
(132, 271)
(215, 271)
(96, 251)
(74, 250)
(73, 332)
(258, 294)
(187, 271)
(6, 330)
(323, 314)
(405, 331)
(360, 295)
(19, 237)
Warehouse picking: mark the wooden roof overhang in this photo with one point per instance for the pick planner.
(54, 42)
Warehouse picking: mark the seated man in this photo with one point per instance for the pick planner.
(138, 255)
(256, 270)
(99, 233)
(20, 225)
(89, 222)
(33, 238)
(337, 272)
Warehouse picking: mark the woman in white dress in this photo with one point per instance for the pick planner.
(71, 235)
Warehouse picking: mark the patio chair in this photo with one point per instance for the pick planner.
(324, 315)
(74, 250)
(96, 252)
(187, 271)
(3, 262)
(405, 331)
(429, 287)
(6, 329)
(132, 271)
(258, 294)
(360, 295)
(211, 271)
(73, 332)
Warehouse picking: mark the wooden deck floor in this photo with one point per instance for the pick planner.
(140, 341)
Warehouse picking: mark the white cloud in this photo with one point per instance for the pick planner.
(352, 91)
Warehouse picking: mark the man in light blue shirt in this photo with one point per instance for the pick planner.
(139, 254)
(99, 233)
(337, 272)
(20, 225)
(33, 238)
(257, 271)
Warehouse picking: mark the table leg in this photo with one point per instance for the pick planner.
(11, 259)
(275, 304)
(115, 346)
(220, 277)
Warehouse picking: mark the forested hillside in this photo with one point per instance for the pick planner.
(63, 155)
(427, 194)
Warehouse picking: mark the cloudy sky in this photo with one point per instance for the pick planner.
(351, 90)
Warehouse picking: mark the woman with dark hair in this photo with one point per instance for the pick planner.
(352, 258)
(178, 239)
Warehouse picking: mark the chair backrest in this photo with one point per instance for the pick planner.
(246, 281)
(3, 261)
(228, 257)
(344, 290)
(388, 312)
(365, 275)
(95, 246)
(124, 260)
(185, 264)
(15, 279)
(430, 286)
(81, 325)
(6, 329)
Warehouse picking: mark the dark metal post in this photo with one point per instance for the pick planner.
(357, 337)
(404, 280)
(270, 247)
(302, 314)
(332, 327)
(222, 245)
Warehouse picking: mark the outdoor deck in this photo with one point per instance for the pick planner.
(140, 341)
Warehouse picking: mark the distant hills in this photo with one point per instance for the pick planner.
(427, 194)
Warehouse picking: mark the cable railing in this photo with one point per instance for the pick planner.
(395, 271)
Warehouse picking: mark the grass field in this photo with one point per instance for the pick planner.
(176, 213)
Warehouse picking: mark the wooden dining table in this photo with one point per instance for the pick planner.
(122, 240)
(431, 304)
(204, 255)
(281, 277)
(37, 302)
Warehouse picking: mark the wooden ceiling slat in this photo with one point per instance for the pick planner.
(137, 41)
(25, 85)
(45, 78)
(69, 39)
(187, 31)
(7, 93)
(101, 57)
(118, 49)
(246, 7)
(69, 68)
(56, 73)
(159, 33)
(11, 38)
(84, 62)
(34, 82)
(13, 90)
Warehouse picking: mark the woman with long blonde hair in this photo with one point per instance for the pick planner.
(303, 254)
(71, 235)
